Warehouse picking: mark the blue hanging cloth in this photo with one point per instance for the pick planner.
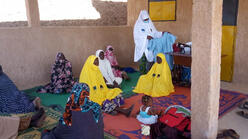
(163, 45)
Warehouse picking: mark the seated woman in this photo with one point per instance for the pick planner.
(109, 99)
(82, 118)
(61, 78)
(109, 54)
(157, 82)
(106, 71)
(13, 101)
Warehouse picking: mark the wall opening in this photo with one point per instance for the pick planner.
(67, 10)
(83, 12)
(66, 13)
(13, 13)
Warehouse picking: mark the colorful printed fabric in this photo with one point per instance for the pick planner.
(79, 101)
(144, 65)
(13, 101)
(90, 105)
(61, 78)
(110, 105)
(112, 59)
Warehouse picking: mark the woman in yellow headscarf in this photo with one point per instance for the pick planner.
(157, 82)
(109, 99)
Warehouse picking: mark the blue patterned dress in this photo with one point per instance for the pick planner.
(13, 101)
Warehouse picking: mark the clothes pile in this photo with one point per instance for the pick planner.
(175, 123)
(181, 75)
(184, 48)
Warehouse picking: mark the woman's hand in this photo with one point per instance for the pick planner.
(116, 84)
(151, 112)
(149, 37)
(165, 32)
(116, 67)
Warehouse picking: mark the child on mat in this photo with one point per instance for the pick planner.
(146, 114)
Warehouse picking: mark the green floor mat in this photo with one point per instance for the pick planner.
(48, 98)
(61, 99)
(127, 85)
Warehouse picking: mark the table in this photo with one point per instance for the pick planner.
(181, 59)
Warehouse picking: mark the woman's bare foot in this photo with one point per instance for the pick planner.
(125, 76)
(125, 111)
(41, 121)
(37, 102)
(38, 118)
(110, 86)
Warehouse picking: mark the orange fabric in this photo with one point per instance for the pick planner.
(71, 106)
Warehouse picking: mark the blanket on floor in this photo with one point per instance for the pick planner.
(130, 128)
(121, 126)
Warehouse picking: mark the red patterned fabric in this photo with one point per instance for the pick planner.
(72, 106)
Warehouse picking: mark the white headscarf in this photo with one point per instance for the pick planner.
(141, 31)
(106, 70)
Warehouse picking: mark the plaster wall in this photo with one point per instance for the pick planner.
(241, 49)
(205, 68)
(27, 54)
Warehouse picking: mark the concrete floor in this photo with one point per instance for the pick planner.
(231, 119)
